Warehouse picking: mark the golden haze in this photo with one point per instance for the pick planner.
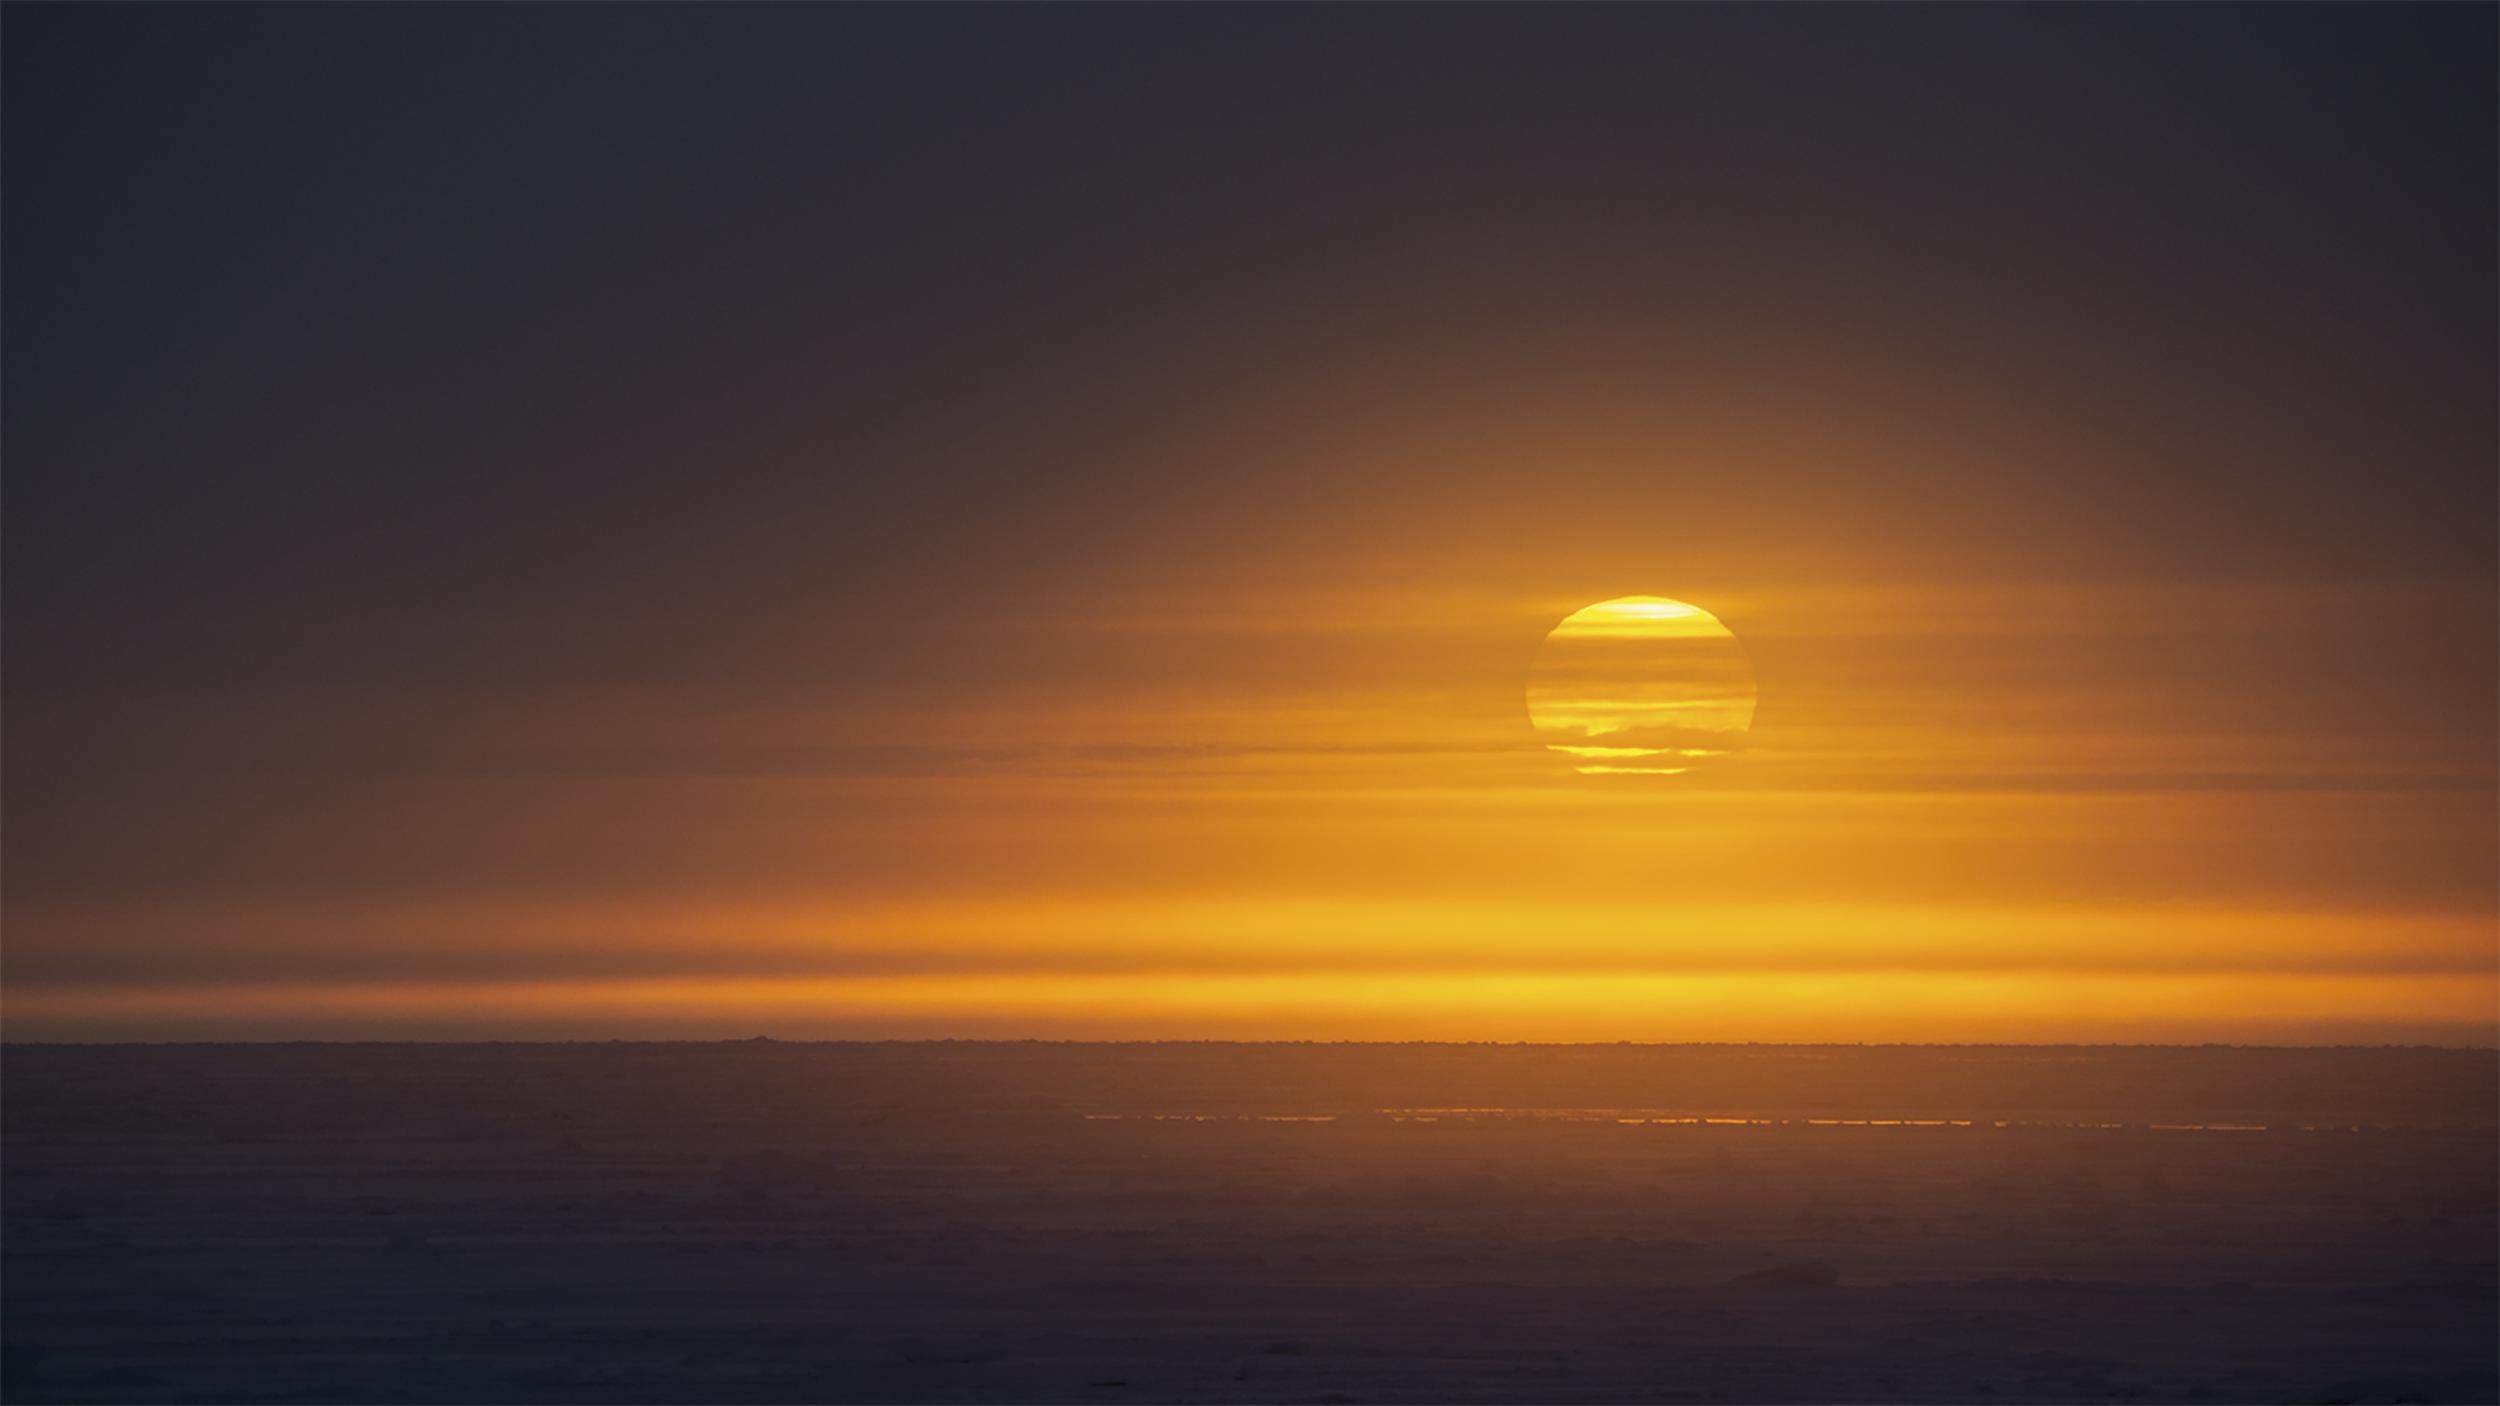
(2044, 814)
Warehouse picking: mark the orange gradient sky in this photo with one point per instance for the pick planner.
(2029, 812)
(995, 564)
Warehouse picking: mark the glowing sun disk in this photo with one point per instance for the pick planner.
(1641, 685)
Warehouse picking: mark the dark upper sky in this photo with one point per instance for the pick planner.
(463, 352)
(464, 309)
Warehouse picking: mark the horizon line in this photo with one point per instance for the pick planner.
(2493, 1048)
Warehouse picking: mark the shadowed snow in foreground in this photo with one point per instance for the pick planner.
(1028, 1222)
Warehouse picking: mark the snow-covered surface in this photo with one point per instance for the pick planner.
(968, 1222)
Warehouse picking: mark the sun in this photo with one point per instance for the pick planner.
(1641, 685)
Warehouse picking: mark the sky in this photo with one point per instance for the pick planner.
(949, 521)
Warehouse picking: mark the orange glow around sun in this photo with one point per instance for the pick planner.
(2060, 813)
